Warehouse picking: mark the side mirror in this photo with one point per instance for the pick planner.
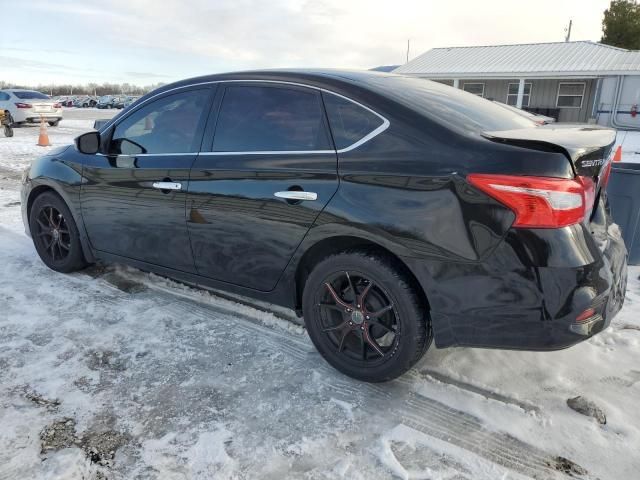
(88, 143)
(98, 124)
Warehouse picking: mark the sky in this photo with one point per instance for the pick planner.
(144, 42)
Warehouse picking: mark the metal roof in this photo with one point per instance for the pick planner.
(560, 59)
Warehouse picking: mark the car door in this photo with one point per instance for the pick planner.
(4, 101)
(272, 168)
(133, 196)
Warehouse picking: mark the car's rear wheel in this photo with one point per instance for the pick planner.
(9, 119)
(365, 316)
(54, 123)
(55, 234)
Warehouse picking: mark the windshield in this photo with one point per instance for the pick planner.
(29, 95)
(455, 108)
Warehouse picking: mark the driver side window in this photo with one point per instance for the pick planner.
(167, 125)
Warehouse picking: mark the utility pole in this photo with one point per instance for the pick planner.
(408, 40)
(568, 30)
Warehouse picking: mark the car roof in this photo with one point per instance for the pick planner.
(19, 90)
(316, 77)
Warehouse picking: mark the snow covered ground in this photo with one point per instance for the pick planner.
(115, 373)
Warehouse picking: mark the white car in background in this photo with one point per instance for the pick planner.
(28, 106)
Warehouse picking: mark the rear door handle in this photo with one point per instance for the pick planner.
(296, 195)
(167, 185)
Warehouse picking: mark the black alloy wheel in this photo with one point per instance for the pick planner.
(358, 318)
(54, 231)
(55, 234)
(365, 316)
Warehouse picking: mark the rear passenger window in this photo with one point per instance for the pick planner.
(265, 118)
(349, 121)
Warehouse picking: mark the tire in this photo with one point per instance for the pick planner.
(54, 123)
(377, 334)
(65, 251)
(9, 119)
(8, 131)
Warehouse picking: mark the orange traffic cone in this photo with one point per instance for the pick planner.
(43, 139)
(617, 157)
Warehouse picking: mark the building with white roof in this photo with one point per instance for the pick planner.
(565, 80)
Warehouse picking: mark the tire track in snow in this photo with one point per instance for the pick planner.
(416, 411)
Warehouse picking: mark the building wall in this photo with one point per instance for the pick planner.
(544, 93)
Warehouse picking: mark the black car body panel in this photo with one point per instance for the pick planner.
(403, 191)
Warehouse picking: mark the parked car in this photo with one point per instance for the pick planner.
(28, 106)
(129, 101)
(534, 117)
(62, 100)
(388, 211)
(85, 102)
(105, 101)
(121, 102)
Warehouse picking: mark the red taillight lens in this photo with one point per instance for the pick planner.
(23, 105)
(57, 105)
(586, 315)
(539, 202)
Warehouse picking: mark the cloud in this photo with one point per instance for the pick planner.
(146, 75)
(175, 38)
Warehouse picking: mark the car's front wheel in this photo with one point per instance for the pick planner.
(55, 234)
(365, 316)
(54, 123)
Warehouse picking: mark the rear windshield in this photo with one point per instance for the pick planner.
(28, 95)
(455, 108)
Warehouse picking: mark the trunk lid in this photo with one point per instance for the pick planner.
(42, 106)
(586, 146)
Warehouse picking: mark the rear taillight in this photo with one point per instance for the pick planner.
(23, 105)
(539, 202)
(57, 105)
(586, 315)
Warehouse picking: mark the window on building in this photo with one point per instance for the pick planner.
(512, 94)
(475, 88)
(570, 95)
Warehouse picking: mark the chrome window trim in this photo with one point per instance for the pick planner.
(179, 154)
(269, 152)
(366, 138)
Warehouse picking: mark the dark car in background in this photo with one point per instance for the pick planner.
(85, 102)
(122, 102)
(388, 211)
(106, 101)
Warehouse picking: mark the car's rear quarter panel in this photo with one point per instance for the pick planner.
(486, 284)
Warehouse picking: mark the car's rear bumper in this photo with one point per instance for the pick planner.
(511, 300)
(48, 117)
(28, 115)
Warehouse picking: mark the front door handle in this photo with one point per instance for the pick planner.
(296, 195)
(167, 185)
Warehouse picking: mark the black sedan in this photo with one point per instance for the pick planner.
(388, 211)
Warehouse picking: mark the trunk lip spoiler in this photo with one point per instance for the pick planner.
(576, 142)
